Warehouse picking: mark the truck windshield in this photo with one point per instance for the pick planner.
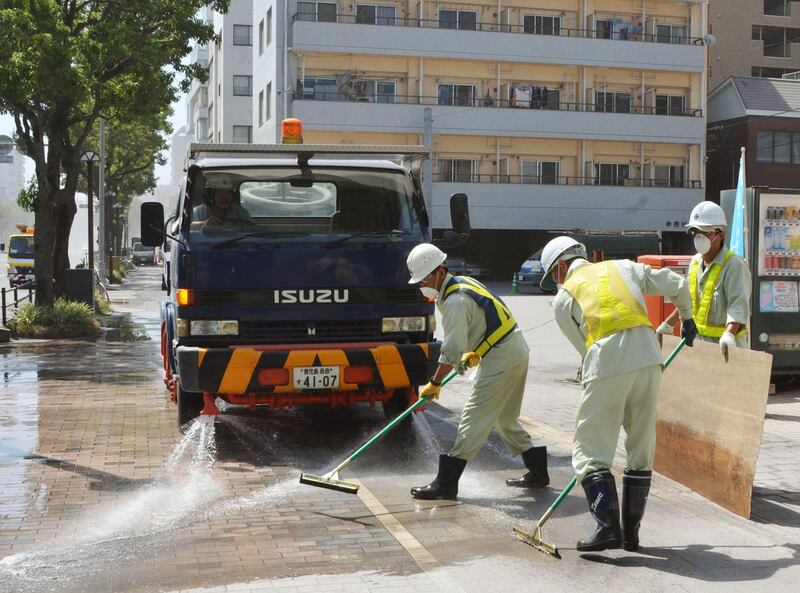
(282, 203)
(20, 247)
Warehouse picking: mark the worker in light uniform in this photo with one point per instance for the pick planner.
(478, 327)
(600, 308)
(719, 283)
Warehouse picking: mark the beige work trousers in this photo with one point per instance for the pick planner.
(628, 400)
(496, 401)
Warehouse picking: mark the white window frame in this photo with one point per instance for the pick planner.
(315, 15)
(675, 38)
(268, 27)
(458, 19)
(261, 37)
(670, 169)
(538, 24)
(616, 174)
(536, 177)
(315, 80)
(614, 94)
(249, 35)
(473, 98)
(377, 19)
(268, 102)
(249, 78)
(669, 104)
(451, 175)
(372, 94)
(260, 108)
(249, 134)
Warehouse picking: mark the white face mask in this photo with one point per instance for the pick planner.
(702, 244)
(429, 292)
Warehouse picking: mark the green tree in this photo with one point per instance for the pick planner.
(26, 199)
(66, 63)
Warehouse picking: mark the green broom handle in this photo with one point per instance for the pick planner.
(388, 427)
(574, 479)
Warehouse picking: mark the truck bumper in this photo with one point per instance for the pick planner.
(240, 370)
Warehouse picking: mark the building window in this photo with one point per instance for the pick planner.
(465, 20)
(541, 172)
(777, 7)
(670, 34)
(372, 14)
(242, 85)
(612, 102)
(762, 72)
(261, 37)
(668, 176)
(778, 147)
(461, 95)
(260, 108)
(542, 25)
(375, 91)
(670, 105)
(610, 174)
(268, 98)
(269, 26)
(242, 134)
(324, 12)
(455, 170)
(615, 29)
(776, 40)
(242, 35)
(320, 89)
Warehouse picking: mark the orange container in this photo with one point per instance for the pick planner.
(657, 308)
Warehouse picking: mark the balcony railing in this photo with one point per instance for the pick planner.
(456, 177)
(498, 28)
(489, 101)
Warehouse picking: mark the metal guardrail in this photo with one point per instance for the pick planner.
(13, 304)
(543, 30)
(562, 180)
(489, 101)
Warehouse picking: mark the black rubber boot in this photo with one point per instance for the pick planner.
(635, 488)
(601, 493)
(445, 485)
(535, 460)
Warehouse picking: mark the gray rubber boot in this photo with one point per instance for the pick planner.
(445, 485)
(635, 488)
(601, 493)
(535, 460)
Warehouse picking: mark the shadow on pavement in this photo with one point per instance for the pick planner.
(702, 562)
(769, 506)
(98, 479)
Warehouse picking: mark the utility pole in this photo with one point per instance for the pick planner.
(90, 158)
(101, 194)
(427, 166)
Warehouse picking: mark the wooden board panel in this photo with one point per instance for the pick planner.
(710, 420)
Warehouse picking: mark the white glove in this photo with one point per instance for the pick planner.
(728, 340)
(665, 329)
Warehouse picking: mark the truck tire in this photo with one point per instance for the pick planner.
(189, 406)
(396, 405)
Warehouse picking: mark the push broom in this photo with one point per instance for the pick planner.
(534, 537)
(331, 480)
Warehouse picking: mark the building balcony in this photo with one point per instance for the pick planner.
(520, 206)
(577, 121)
(493, 42)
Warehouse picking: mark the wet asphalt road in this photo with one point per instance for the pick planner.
(100, 492)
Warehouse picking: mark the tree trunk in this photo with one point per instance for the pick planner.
(65, 214)
(43, 246)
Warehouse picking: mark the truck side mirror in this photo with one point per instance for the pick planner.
(152, 228)
(459, 214)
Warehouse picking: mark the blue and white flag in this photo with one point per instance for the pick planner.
(737, 227)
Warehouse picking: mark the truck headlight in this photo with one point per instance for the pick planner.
(213, 327)
(403, 324)
(182, 327)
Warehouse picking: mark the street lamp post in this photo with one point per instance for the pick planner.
(90, 158)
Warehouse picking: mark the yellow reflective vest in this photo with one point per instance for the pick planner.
(702, 307)
(499, 320)
(607, 303)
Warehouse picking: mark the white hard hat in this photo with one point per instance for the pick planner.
(707, 216)
(553, 252)
(423, 260)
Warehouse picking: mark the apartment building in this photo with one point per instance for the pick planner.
(551, 115)
(753, 38)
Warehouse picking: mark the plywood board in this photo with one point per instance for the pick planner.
(710, 420)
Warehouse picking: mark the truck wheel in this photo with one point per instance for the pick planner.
(189, 406)
(396, 405)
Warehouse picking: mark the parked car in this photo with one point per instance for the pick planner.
(458, 266)
(530, 273)
(143, 255)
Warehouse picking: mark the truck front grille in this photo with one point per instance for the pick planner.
(288, 332)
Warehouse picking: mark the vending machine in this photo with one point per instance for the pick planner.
(772, 235)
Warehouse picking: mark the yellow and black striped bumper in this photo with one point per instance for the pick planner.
(236, 370)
